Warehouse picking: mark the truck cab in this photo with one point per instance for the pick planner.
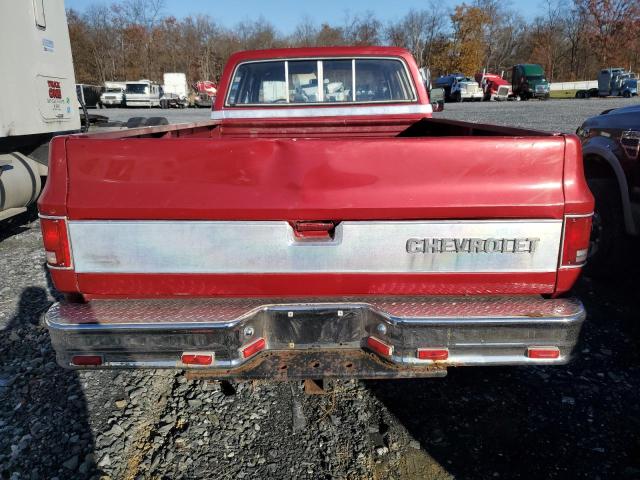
(113, 94)
(617, 82)
(466, 88)
(529, 81)
(490, 84)
(446, 83)
(143, 93)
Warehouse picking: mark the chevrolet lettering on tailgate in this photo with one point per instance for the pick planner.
(472, 245)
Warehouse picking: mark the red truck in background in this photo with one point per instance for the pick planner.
(323, 224)
(490, 82)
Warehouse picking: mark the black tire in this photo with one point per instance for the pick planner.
(607, 249)
(627, 94)
(135, 122)
(155, 121)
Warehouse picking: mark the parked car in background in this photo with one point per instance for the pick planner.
(113, 94)
(617, 82)
(143, 93)
(611, 150)
(529, 81)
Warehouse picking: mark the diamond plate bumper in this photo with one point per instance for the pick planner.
(316, 337)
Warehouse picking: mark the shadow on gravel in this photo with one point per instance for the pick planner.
(15, 225)
(44, 428)
(576, 421)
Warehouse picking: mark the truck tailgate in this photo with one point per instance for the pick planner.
(216, 217)
(295, 179)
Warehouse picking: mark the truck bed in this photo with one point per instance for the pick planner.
(147, 208)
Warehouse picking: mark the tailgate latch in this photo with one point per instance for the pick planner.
(314, 230)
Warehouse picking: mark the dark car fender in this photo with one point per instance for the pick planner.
(604, 148)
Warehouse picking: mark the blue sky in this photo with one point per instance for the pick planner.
(285, 14)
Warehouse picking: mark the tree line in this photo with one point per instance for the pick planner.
(571, 39)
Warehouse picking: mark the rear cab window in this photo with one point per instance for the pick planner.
(321, 81)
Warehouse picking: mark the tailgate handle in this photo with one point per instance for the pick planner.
(314, 230)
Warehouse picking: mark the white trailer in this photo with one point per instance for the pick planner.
(582, 88)
(37, 96)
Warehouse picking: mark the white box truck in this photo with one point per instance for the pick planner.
(175, 90)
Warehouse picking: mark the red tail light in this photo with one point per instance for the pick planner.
(253, 348)
(86, 360)
(56, 242)
(577, 231)
(197, 358)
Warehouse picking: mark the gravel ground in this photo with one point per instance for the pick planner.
(576, 421)
(557, 115)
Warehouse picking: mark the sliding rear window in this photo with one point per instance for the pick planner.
(321, 81)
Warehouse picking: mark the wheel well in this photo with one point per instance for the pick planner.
(597, 167)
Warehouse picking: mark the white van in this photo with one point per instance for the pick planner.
(143, 93)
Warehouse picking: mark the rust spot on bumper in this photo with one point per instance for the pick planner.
(338, 363)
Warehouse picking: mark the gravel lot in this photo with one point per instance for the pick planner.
(557, 115)
(578, 421)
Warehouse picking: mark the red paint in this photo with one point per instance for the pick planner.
(315, 179)
(305, 285)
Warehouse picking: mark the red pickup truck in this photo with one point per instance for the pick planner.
(322, 224)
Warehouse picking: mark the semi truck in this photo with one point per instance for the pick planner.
(490, 84)
(37, 97)
(529, 81)
(617, 82)
(343, 232)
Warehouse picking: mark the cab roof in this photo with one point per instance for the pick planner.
(284, 53)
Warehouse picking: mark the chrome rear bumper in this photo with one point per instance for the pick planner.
(315, 338)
